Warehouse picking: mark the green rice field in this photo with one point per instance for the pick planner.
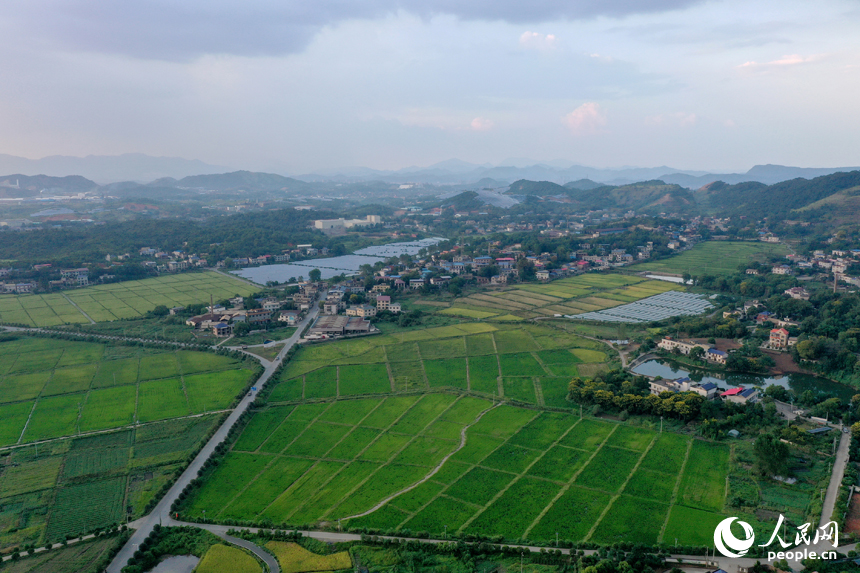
(528, 363)
(72, 486)
(716, 258)
(51, 388)
(114, 301)
(574, 295)
(521, 473)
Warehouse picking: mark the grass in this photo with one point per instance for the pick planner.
(463, 356)
(54, 417)
(704, 484)
(72, 485)
(293, 558)
(512, 513)
(574, 295)
(609, 469)
(119, 300)
(717, 257)
(222, 558)
(12, 420)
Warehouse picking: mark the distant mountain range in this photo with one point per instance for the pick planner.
(139, 169)
(109, 168)
(461, 173)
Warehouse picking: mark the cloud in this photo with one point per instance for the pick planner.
(789, 60)
(538, 41)
(179, 31)
(585, 120)
(482, 124)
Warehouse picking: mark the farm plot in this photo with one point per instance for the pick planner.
(575, 295)
(73, 387)
(465, 357)
(520, 474)
(118, 300)
(71, 486)
(716, 258)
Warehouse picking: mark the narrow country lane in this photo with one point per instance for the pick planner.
(161, 513)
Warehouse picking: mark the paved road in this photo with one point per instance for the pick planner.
(836, 478)
(161, 513)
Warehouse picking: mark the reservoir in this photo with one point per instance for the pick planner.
(334, 266)
(798, 383)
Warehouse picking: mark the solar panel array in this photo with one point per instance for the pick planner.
(659, 307)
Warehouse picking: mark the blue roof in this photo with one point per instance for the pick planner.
(221, 325)
(822, 430)
(717, 352)
(684, 379)
(709, 386)
(748, 392)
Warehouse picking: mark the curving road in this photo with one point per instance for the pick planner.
(161, 513)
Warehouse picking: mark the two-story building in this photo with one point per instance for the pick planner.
(362, 310)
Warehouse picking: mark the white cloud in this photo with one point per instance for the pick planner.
(586, 119)
(482, 124)
(538, 41)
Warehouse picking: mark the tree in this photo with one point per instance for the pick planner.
(160, 310)
(315, 275)
(697, 352)
(241, 328)
(771, 455)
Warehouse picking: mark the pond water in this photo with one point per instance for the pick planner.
(334, 266)
(798, 383)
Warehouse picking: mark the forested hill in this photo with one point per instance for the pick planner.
(785, 200)
(834, 197)
(30, 186)
(655, 196)
(242, 235)
(242, 180)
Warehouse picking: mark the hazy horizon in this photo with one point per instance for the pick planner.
(291, 88)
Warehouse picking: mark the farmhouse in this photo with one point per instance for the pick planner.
(799, 293)
(717, 356)
(291, 317)
(222, 329)
(658, 386)
(362, 310)
(779, 338)
(670, 344)
(741, 395)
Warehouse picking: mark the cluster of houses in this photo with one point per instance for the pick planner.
(165, 262)
(336, 300)
(707, 390)
(221, 320)
(837, 262)
(68, 278)
(711, 353)
(299, 252)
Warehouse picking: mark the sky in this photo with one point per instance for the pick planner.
(297, 87)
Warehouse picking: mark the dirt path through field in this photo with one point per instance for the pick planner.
(433, 472)
(80, 310)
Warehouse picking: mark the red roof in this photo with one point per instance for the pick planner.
(782, 330)
(732, 392)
